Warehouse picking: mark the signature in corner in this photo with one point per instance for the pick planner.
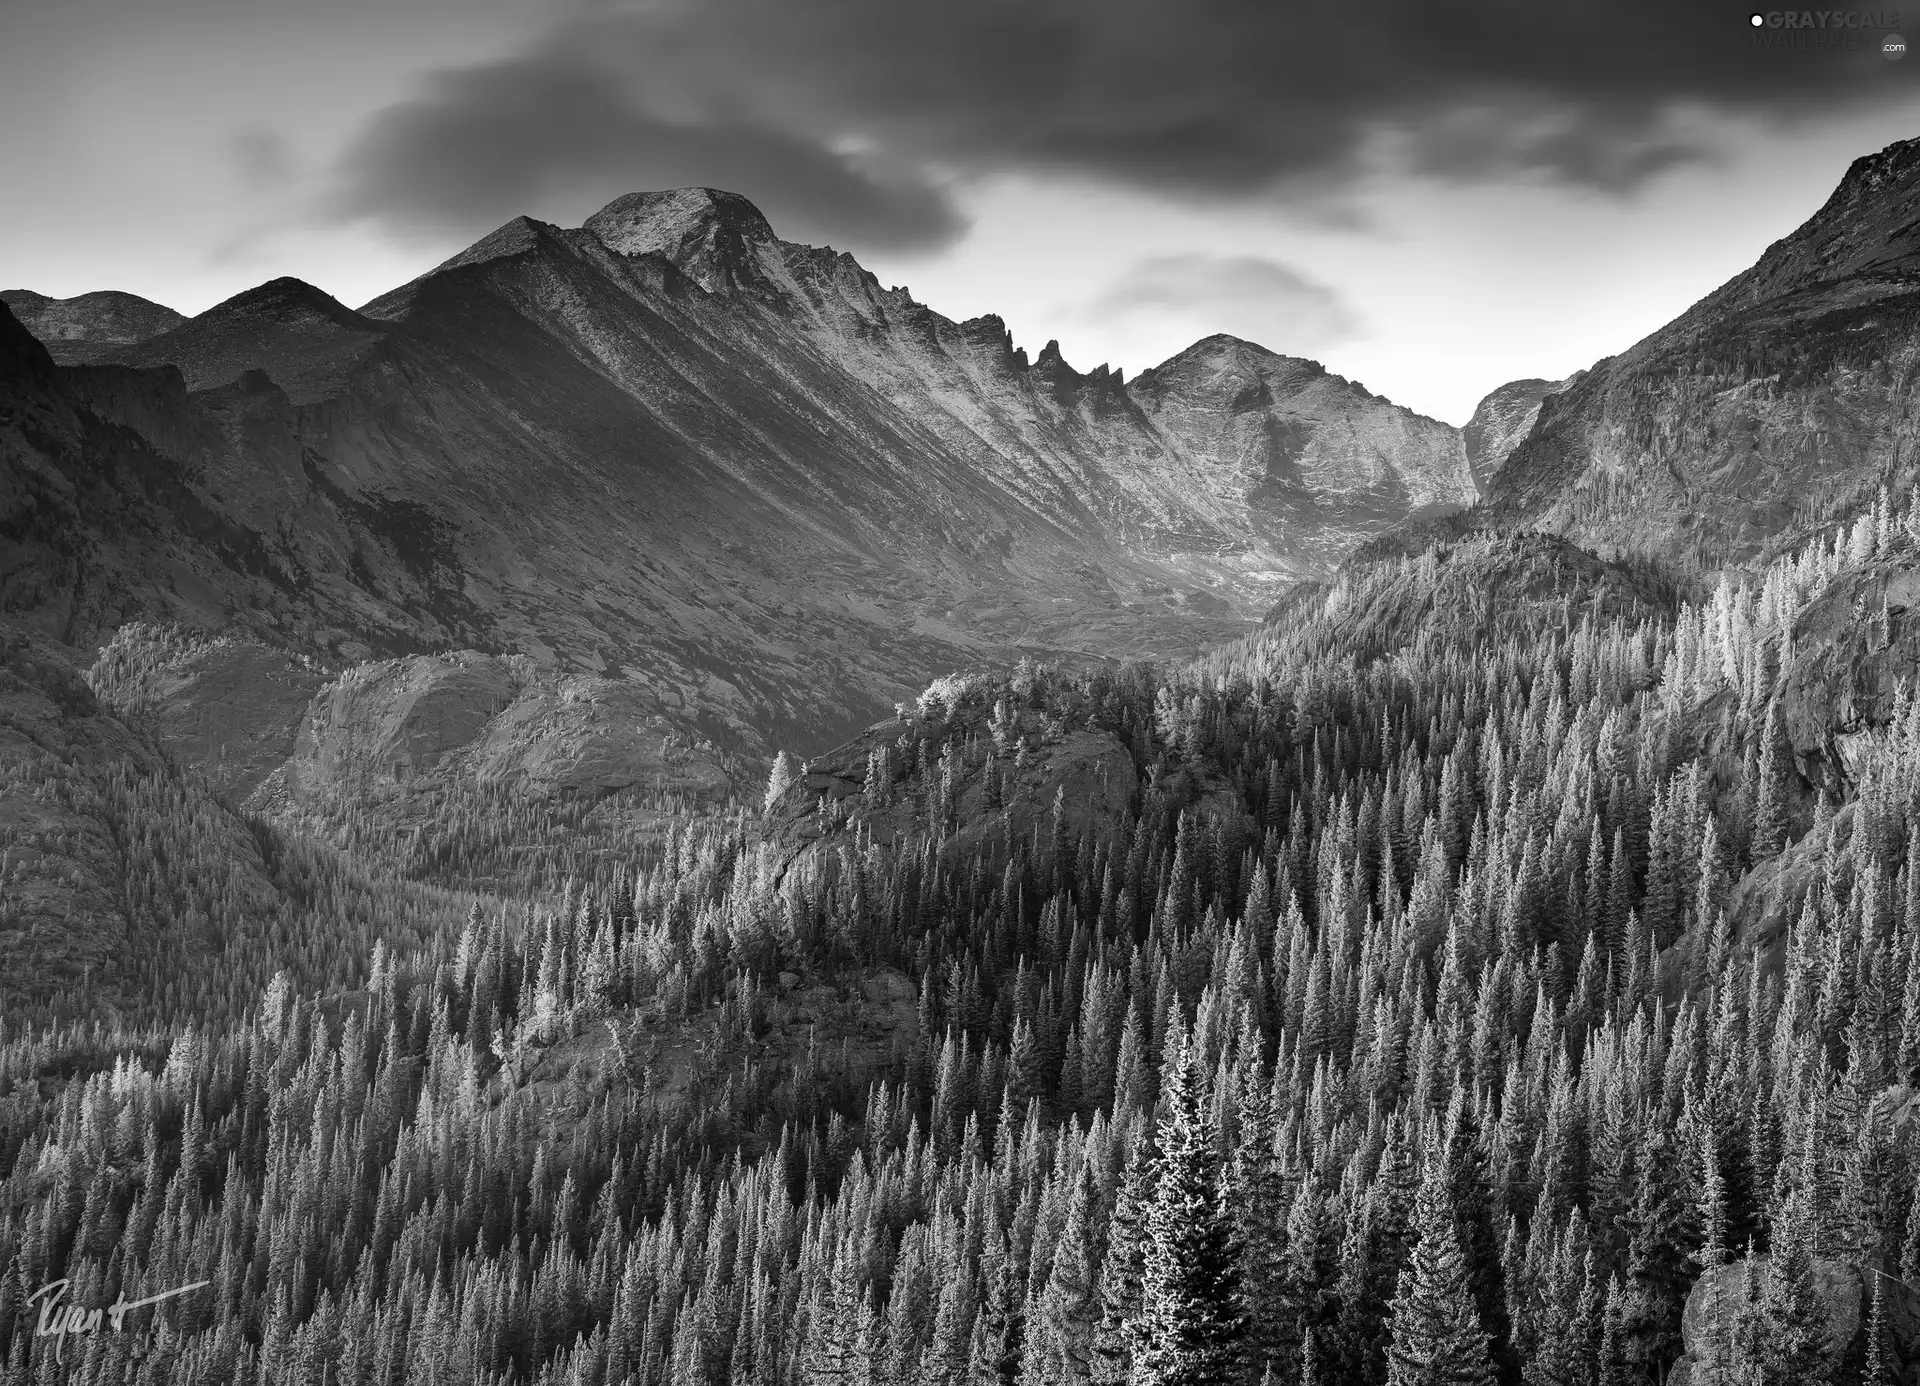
(57, 1319)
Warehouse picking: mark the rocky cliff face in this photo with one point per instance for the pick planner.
(1778, 401)
(668, 447)
(1501, 422)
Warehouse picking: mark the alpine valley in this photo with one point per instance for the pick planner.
(645, 809)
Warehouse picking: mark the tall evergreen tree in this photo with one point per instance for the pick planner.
(1789, 1328)
(1122, 1269)
(1061, 1329)
(1438, 1339)
(1192, 1325)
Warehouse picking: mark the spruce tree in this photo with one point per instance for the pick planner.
(1060, 1336)
(1122, 1268)
(1770, 795)
(1658, 1276)
(785, 771)
(1437, 1336)
(1257, 1196)
(1472, 1199)
(1790, 1341)
(1192, 1327)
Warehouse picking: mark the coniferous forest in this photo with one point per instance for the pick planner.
(1462, 994)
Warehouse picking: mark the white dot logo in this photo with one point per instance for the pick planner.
(1894, 47)
(1757, 20)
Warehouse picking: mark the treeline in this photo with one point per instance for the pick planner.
(1399, 1032)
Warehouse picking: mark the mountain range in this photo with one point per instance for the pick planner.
(671, 448)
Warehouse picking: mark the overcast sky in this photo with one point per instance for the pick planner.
(1429, 197)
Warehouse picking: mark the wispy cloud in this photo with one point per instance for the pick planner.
(1246, 296)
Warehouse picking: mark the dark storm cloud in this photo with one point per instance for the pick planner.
(486, 144)
(1249, 296)
(849, 118)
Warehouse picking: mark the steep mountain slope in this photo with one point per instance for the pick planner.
(126, 887)
(1778, 401)
(669, 446)
(83, 329)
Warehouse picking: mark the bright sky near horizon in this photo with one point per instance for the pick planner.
(1431, 198)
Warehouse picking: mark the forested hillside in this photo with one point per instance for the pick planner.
(1503, 967)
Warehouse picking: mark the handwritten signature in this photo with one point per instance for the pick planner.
(57, 1320)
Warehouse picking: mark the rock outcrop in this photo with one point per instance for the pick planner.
(1004, 768)
(395, 727)
(227, 707)
(1484, 588)
(1500, 422)
(1854, 645)
(127, 888)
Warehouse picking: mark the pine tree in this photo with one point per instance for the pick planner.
(1658, 1276)
(1257, 1197)
(1437, 1336)
(1123, 1267)
(1192, 1327)
(785, 771)
(1060, 1339)
(1789, 1334)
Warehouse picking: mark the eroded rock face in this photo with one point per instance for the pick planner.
(277, 732)
(384, 726)
(1853, 646)
(865, 1021)
(228, 707)
(1765, 902)
(1090, 770)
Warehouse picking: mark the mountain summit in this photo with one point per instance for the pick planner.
(708, 235)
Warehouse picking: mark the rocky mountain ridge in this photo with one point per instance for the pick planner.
(84, 328)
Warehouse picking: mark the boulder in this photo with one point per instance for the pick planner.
(1844, 1291)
